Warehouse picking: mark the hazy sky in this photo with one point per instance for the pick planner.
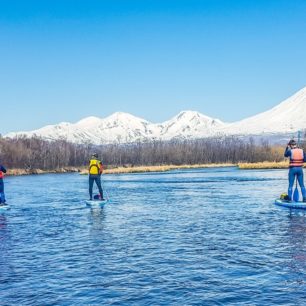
(63, 60)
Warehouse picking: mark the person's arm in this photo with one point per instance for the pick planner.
(101, 168)
(287, 152)
(304, 156)
(3, 169)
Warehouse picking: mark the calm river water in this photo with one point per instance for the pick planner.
(192, 237)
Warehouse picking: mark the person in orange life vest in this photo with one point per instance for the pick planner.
(2, 196)
(95, 171)
(297, 158)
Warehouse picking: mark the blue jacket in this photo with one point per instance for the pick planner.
(2, 169)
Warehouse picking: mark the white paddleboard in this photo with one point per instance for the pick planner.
(5, 207)
(96, 203)
(296, 205)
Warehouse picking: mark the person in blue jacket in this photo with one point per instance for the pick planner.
(297, 159)
(2, 196)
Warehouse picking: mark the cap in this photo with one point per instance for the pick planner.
(292, 142)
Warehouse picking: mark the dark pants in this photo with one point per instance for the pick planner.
(2, 196)
(97, 179)
(298, 173)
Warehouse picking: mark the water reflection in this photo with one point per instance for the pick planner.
(97, 218)
(297, 240)
(3, 231)
(3, 222)
(4, 248)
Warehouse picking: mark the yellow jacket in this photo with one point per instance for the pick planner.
(95, 167)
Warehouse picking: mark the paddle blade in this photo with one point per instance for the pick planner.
(296, 195)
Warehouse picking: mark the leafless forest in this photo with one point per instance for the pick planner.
(36, 153)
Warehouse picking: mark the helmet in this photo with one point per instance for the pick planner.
(94, 155)
(292, 142)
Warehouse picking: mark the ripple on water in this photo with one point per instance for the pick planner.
(191, 237)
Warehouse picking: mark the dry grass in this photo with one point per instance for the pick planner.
(161, 168)
(12, 172)
(264, 165)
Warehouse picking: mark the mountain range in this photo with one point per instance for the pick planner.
(284, 119)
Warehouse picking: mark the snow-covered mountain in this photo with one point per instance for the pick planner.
(286, 118)
(190, 124)
(124, 128)
(117, 128)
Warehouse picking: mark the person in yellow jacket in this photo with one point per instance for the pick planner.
(95, 171)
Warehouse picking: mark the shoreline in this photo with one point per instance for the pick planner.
(18, 171)
(144, 169)
(265, 165)
(115, 170)
(160, 168)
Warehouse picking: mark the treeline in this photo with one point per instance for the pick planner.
(36, 153)
(202, 151)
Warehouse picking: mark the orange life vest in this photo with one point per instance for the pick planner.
(297, 158)
(1, 175)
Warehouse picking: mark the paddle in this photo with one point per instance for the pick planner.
(296, 193)
(104, 191)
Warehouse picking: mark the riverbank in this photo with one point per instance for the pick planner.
(158, 168)
(264, 165)
(18, 171)
(115, 170)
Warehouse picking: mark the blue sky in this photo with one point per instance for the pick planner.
(64, 60)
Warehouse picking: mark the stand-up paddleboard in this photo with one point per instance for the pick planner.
(4, 207)
(96, 203)
(296, 205)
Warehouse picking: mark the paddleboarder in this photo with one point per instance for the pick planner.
(2, 195)
(297, 158)
(95, 171)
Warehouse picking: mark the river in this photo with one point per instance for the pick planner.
(183, 237)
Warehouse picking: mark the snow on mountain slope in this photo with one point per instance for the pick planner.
(117, 128)
(190, 124)
(57, 131)
(287, 117)
(124, 128)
